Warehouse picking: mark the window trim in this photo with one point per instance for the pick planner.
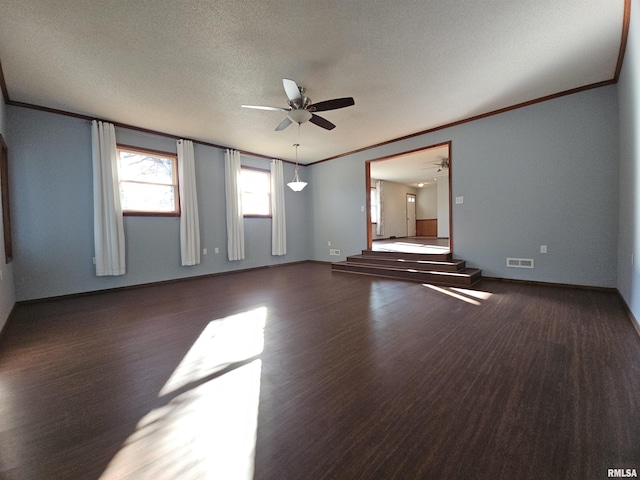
(256, 215)
(6, 210)
(148, 213)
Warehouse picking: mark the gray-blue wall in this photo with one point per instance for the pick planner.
(546, 174)
(51, 181)
(629, 225)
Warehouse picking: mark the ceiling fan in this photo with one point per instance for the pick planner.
(301, 109)
(442, 164)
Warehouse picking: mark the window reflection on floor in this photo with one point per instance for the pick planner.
(206, 420)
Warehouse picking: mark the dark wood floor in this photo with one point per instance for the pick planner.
(297, 373)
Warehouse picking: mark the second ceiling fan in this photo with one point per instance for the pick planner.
(301, 109)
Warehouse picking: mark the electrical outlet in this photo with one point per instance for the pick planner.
(204, 251)
(216, 250)
(543, 249)
(459, 200)
(328, 244)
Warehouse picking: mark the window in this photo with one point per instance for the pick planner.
(148, 182)
(373, 201)
(256, 192)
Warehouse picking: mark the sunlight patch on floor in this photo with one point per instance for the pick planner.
(479, 294)
(206, 420)
(223, 342)
(464, 294)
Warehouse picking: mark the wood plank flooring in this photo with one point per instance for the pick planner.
(294, 372)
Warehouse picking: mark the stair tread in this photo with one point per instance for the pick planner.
(435, 268)
(466, 270)
(422, 256)
(449, 279)
(390, 260)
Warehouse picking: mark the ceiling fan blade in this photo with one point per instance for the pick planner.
(292, 91)
(262, 107)
(283, 124)
(322, 122)
(332, 104)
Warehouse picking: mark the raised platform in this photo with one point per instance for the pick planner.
(436, 268)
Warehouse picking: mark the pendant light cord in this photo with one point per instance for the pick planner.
(297, 145)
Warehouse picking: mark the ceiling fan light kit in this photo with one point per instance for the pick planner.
(300, 116)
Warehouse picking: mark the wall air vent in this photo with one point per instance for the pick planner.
(520, 262)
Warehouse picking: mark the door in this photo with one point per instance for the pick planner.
(411, 215)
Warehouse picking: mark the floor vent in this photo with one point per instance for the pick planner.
(520, 262)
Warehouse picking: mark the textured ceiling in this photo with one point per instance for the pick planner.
(185, 67)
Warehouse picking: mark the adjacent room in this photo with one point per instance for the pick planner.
(409, 202)
(307, 240)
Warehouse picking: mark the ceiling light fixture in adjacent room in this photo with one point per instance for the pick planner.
(296, 185)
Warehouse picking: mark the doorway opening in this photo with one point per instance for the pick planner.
(411, 215)
(409, 201)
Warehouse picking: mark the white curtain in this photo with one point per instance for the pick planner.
(380, 201)
(108, 227)
(235, 219)
(278, 221)
(189, 220)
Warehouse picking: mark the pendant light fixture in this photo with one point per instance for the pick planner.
(296, 185)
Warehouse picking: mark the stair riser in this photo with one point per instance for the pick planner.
(437, 257)
(454, 267)
(422, 277)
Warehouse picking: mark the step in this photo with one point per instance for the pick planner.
(464, 277)
(453, 265)
(436, 257)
